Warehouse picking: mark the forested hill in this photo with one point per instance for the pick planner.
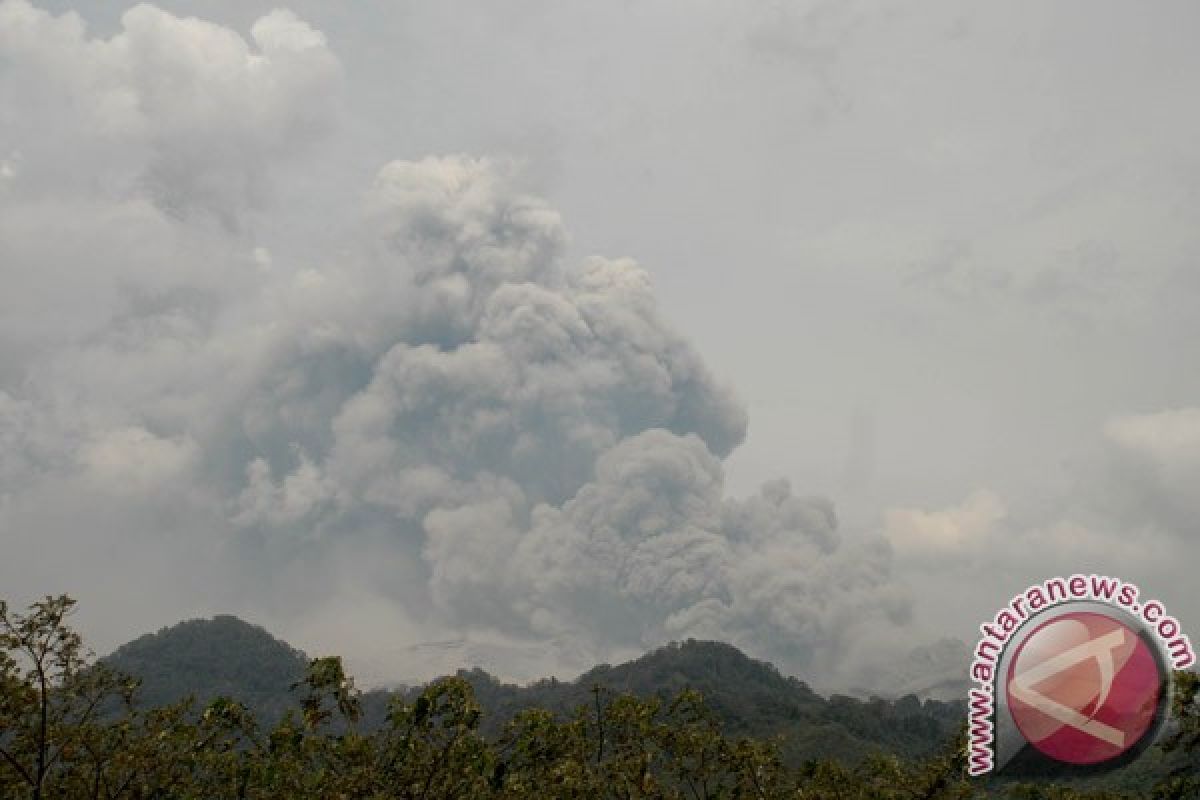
(750, 697)
(208, 658)
(226, 656)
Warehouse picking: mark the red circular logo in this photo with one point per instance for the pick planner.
(1084, 688)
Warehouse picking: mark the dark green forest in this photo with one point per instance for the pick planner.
(221, 709)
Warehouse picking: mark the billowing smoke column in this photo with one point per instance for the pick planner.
(449, 423)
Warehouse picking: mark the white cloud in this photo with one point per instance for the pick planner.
(1170, 438)
(184, 110)
(927, 537)
(301, 493)
(134, 460)
(1152, 471)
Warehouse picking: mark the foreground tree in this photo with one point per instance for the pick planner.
(52, 698)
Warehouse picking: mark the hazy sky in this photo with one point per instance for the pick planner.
(475, 331)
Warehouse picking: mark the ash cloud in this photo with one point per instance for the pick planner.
(446, 432)
(544, 446)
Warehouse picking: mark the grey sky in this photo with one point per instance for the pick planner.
(944, 254)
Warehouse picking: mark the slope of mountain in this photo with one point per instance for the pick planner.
(226, 656)
(206, 658)
(750, 698)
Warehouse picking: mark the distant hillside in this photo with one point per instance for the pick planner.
(226, 656)
(750, 697)
(207, 658)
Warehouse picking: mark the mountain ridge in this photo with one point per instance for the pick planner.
(226, 656)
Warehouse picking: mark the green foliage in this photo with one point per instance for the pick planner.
(206, 659)
(72, 729)
(51, 698)
(1183, 743)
